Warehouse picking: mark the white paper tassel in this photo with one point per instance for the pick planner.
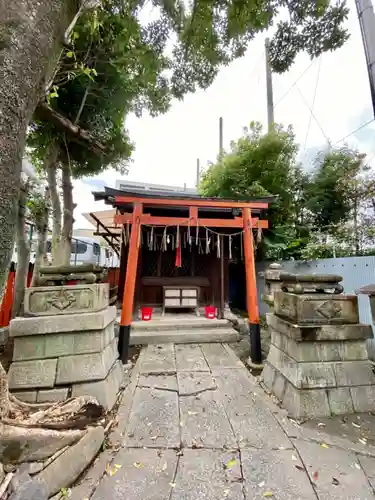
(164, 241)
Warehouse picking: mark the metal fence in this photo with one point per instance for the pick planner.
(356, 272)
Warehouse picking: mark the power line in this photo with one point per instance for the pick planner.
(313, 103)
(313, 115)
(355, 131)
(295, 82)
(256, 66)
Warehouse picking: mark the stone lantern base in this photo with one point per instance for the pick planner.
(318, 363)
(67, 346)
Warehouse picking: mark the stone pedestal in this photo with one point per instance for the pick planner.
(318, 363)
(68, 348)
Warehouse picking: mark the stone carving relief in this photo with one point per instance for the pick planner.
(329, 309)
(61, 299)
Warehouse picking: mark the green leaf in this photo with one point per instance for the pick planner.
(69, 54)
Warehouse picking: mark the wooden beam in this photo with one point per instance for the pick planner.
(193, 213)
(151, 220)
(217, 203)
(109, 235)
(251, 289)
(128, 296)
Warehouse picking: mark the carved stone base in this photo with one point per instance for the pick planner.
(322, 374)
(51, 300)
(317, 308)
(57, 355)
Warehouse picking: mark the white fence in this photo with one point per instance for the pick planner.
(356, 272)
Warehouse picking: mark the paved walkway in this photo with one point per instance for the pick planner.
(194, 425)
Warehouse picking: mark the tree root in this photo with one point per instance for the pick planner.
(74, 413)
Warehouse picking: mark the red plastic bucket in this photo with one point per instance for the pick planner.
(146, 313)
(210, 312)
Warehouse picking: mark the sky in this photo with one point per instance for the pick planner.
(334, 87)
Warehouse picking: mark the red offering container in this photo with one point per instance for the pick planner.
(210, 312)
(146, 313)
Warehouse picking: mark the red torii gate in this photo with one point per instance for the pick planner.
(138, 217)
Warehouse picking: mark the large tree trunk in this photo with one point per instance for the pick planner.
(67, 231)
(51, 168)
(42, 231)
(23, 253)
(31, 32)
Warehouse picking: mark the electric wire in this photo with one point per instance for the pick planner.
(295, 83)
(313, 115)
(355, 131)
(313, 103)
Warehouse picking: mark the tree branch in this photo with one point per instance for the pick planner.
(77, 134)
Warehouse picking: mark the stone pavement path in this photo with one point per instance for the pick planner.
(195, 425)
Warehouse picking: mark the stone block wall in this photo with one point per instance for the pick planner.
(318, 362)
(57, 356)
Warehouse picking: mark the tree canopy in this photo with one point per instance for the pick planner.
(261, 164)
(117, 63)
(329, 211)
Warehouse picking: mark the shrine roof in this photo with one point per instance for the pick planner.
(109, 196)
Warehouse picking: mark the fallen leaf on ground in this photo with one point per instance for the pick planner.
(192, 412)
(138, 465)
(299, 467)
(356, 425)
(268, 494)
(294, 458)
(315, 475)
(323, 445)
(335, 481)
(111, 471)
(230, 463)
(226, 493)
(321, 424)
(357, 466)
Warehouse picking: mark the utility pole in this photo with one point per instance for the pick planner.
(221, 147)
(366, 19)
(221, 242)
(270, 109)
(198, 173)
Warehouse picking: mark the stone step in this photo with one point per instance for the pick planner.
(174, 324)
(188, 336)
